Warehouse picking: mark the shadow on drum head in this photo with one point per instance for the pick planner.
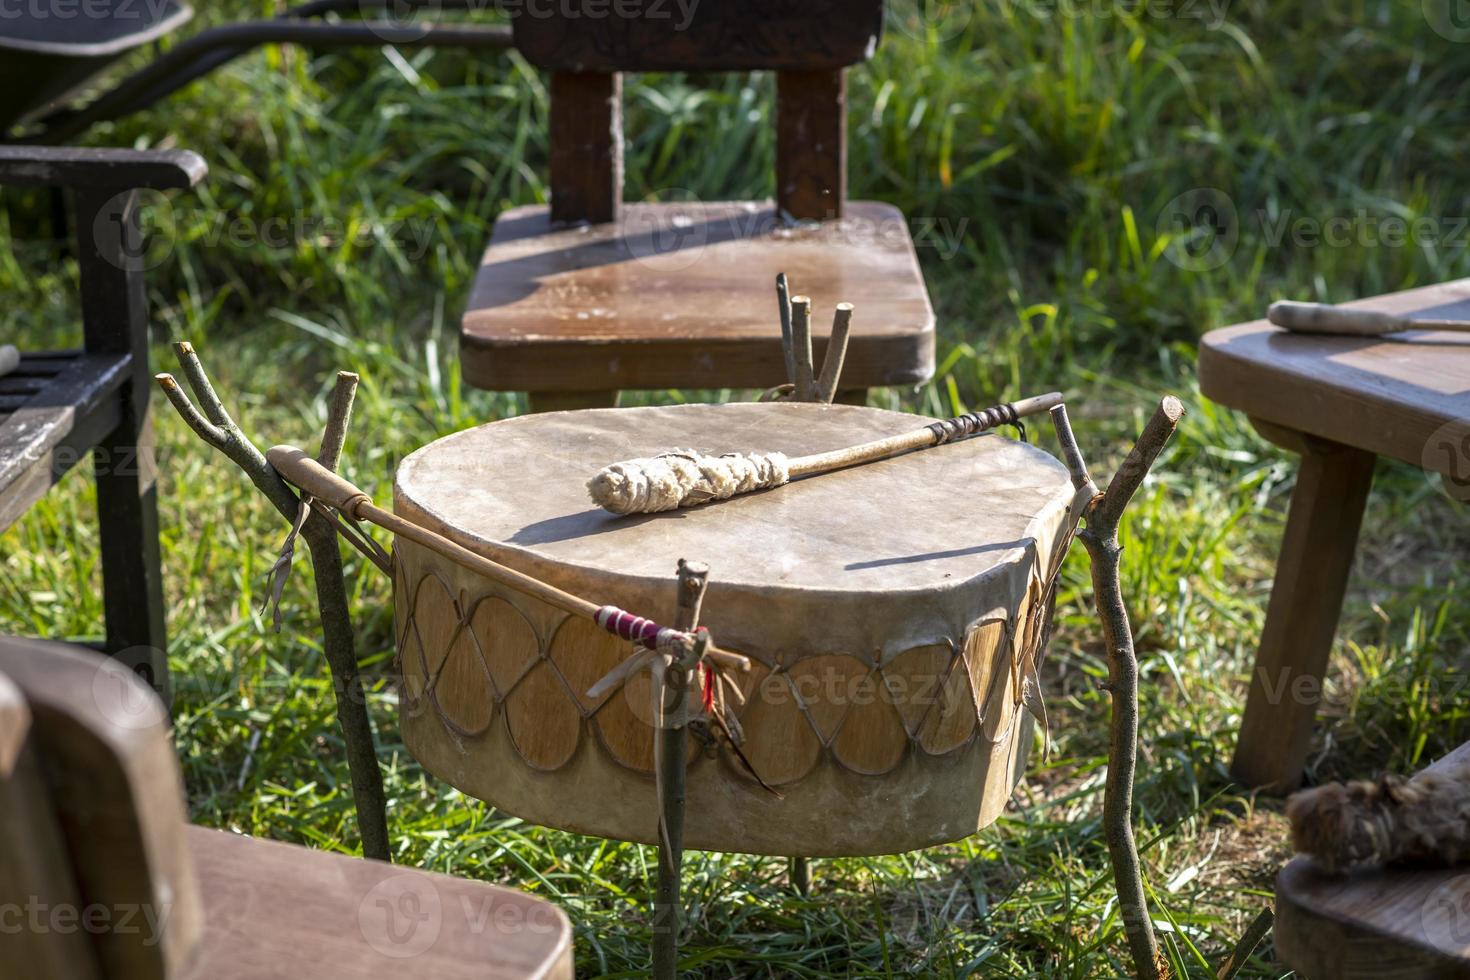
(978, 549)
(583, 524)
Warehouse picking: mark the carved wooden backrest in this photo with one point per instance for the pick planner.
(585, 44)
(92, 850)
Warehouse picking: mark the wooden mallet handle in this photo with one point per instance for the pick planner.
(1323, 318)
(683, 478)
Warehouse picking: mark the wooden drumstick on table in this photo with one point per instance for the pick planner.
(1324, 318)
(301, 470)
(685, 478)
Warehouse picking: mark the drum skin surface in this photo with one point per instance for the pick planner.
(891, 612)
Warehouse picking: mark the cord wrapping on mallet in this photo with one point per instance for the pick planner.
(972, 422)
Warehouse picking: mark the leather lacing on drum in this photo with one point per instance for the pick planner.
(1018, 674)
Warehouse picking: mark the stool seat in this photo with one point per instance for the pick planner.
(92, 819)
(1385, 396)
(682, 295)
(275, 910)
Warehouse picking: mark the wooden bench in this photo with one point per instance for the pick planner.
(101, 878)
(1340, 402)
(1383, 922)
(59, 407)
(590, 295)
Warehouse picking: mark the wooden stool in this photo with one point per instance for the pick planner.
(108, 883)
(576, 301)
(1339, 402)
(1379, 922)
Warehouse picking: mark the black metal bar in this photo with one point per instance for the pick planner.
(115, 320)
(99, 168)
(208, 50)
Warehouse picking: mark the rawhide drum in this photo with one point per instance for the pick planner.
(892, 613)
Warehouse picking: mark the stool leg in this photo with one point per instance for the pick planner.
(801, 875)
(570, 401)
(1306, 599)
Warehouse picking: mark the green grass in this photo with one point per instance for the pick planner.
(1044, 149)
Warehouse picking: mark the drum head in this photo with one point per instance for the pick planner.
(927, 520)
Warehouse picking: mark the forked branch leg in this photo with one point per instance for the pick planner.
(1100, 537)
(218, 429)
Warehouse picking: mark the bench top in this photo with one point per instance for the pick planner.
(1392, 396)
(54, 407)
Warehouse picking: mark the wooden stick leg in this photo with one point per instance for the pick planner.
(1306, 599)
(672, 752)
(666, 917)
(338, 643)
(570, 401)
(801, 875)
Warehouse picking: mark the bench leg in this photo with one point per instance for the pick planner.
(115, 321)
(570, 401)
(1301, 620)
(132, 576)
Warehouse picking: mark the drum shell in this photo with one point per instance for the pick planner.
(918, 742)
